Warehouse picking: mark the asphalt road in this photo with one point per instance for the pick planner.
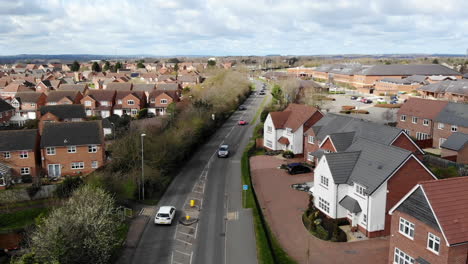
(222, 195)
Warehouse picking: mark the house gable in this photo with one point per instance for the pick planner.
(405, 142)
(327, 144)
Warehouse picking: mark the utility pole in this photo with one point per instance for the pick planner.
(142, 167)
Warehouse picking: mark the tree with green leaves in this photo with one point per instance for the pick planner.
(140, 65)
(75, 66)
(95, 67)
(118, 66)
(106, 66)
(176, 69)
(277, 94)
(83, 230)
(435, 61)
(211, 63)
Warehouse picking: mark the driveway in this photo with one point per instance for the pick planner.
(283, 208)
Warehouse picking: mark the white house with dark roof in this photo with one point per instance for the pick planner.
(284, 130)
(363, 182)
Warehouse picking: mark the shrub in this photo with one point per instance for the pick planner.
(26, 179)
(32, 190)
(347, 107)
(288, 154)
(385, 105)
(68, 186)
(321, 232)
(345, 112)
(360, 111)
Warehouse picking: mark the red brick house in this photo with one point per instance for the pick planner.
(159, 101)
(73, 148)
(63, 97)
(19, 149)
(99, 102)
(451, 119)
(27, 104)
(45, 86)
(60, 113)
(82, 88)
(455, 148)
(335, 133)
(129, 103)
(429, 224)
(6, 113)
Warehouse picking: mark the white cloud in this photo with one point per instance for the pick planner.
(219, 27)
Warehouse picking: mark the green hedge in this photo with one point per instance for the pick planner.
(20, 219)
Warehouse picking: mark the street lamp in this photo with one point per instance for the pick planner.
(113, 129)
(142, 166)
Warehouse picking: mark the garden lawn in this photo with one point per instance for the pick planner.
(20, 219)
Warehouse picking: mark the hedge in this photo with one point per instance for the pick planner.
(388, 105)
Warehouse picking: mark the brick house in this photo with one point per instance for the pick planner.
(429, 224)
(15, 87)
(456, 91)
(335, 133)
(452, 118)
(27, 104)
(60, 113)
(72, 148)
(45, 86)
(395, 85)
(455, 148)
(117, 86)
(364, 182)
(159, 100)
(6, 113)
(82, 88)
(63, 97)
(99, 103)
(417, 117)
(188, 80)
(285, 130)
(129, 103)
(19, 150)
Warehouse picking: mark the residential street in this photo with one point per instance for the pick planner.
(215, 183)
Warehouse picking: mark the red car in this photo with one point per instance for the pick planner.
(242, 122)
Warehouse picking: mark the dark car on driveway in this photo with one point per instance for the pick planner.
(242, 108)
(353, 97)
(297, 168)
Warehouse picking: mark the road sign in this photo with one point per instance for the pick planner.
(245, 187)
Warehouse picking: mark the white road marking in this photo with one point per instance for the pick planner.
(187, 254)
(183, 233)
(183, 241)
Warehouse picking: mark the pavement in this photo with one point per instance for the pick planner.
(224, 232)
(283, 208)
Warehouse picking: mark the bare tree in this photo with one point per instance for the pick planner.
(388, 115)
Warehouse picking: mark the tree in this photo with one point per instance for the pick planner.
(290, 87)
(75, 66)
(388, 115)
(95, 67)
(140, 65)
(292, 61)
(277, 94)
(211, 63)
(435, 61)
(106, 66)
(173, 60)
(84, 230)
(118, 66)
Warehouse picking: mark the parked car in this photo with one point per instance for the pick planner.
(394, 97)
(363, 100)
(353, 97)
(261, 93)
(381, 100)
(242, 108)
(242, 122)
(297, 168)
(394, 102)
(223, 151)
(368, 101)
(165, 215)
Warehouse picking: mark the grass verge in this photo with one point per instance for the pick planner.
(20, 219)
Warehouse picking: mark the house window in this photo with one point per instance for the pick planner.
(92, 148)
(360, 190)
(134, 111)
(87, 103)
(15, 104)
(130, 102)
(421, 136)
(104, 103)
(152, 100)
(433, 243)
(323, 180)
(71, 149)
(402, 258)
(441, 126)
(163, 101)
(77, 165)
(403, 118)
(310, 157)
(50, 151)
(364, 218)
(426, 122)
(324, 205)
(269, 129)
(25, 171)
(33, 105)
(441, 141)
(6, 155)
(94, 164)
(269, 143)
(406, 228)
(119, 101)
(311, 139)
(23, 155)
(454, 128)
(415, 120)
(407, 131)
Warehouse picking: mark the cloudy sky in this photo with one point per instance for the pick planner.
(233, 27)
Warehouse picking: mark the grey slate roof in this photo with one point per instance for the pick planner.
(28, 97)
(459, 87)
(73, 87)
(375, 164)
(454, 114)
(24, 139)
(342, 141)
(4, 106)
(416, 205)
(64, 111)
(71, 134)
(55, 96)
(144, 87)
(341, 165)
(456, 141)
(350, 204)
(407, 70)
(420, 260)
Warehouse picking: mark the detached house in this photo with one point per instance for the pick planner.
(455, 148)
(364, 182)
(27, 105)
(6, 113)
(61, 113)
(72, 148)
(160, 100)
(285, 130)
(116, 86)
(429, 224)
(451, 119)
(129, 103)
(82, 88)
(45, 86)
(99, 103)
(19, 151)
(63, 97)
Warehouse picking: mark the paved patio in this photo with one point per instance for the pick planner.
(283, 208)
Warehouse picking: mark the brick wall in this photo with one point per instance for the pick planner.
(401, 183)
(415, 127)
(65, 159)
(327, 145)
(405, 143)
(16, 163)
(158, 103)
(418, 246)
(445, 132)
(46, 118)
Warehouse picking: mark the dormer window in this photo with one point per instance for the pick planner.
(130, 102)
(163, 101)
(15, 104)
(360, 190)
(87, 103)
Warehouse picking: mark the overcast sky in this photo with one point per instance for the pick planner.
(233, 27)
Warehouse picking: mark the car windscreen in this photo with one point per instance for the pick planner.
(223, 148)
(163, 215)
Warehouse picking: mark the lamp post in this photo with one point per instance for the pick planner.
(142, 167)
(113, 129)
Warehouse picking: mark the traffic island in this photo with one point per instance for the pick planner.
(190, 217)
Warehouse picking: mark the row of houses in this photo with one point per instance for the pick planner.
(372, 176)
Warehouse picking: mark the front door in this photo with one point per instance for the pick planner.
(54, 170)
